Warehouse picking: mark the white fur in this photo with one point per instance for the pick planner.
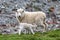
(33, 17)
(26, 25)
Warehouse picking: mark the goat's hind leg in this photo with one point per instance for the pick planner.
(31, 30)
(44, 29)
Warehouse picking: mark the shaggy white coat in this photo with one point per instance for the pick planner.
(32, 17)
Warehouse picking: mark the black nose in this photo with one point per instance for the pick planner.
(19, 16)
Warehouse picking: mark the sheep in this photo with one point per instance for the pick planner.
(32, 17)
(26, 25)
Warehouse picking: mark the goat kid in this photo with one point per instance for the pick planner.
(26, 25)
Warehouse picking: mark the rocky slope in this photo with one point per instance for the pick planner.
(28, 5)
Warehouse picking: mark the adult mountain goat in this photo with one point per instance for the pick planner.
(37, 18)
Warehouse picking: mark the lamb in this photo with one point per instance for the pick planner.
(32, 17)
(26, 25)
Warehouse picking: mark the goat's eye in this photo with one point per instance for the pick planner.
(22, 11)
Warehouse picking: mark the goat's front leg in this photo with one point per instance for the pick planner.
(20, 29)
(31, 30)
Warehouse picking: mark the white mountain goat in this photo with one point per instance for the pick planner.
(32, 17)
(26, 25)
(21, 26)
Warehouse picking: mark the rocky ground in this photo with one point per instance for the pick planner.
(28, 5)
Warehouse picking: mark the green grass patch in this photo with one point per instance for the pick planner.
(50, 35)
